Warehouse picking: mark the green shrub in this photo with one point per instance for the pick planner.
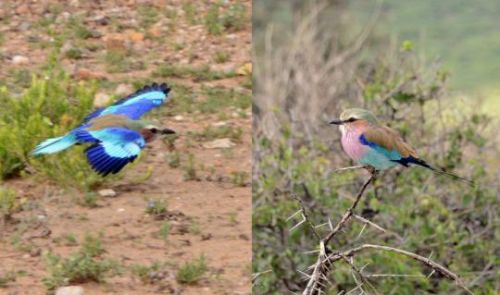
(84, 266)
(48, 108)
(193, 271)
(8, 204)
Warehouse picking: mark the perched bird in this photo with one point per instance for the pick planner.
(375, 146)
(116, 134)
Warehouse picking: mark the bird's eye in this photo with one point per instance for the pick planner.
(154, 130)
(351, 119)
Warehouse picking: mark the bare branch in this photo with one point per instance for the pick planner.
(347, 215)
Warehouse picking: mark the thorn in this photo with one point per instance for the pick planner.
(297, 225)
(293, 215)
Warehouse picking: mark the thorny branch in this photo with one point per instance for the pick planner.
(318, 277)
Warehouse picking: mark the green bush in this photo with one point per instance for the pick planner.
(50, 107)
(86, 265)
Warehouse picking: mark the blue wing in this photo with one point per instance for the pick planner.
(136, 104)
(113, 148)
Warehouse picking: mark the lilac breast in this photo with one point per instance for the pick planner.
(352, 146)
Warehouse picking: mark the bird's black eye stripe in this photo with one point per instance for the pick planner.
(154, 130)
(351, 119)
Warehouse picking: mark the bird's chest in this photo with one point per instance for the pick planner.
(352, 145)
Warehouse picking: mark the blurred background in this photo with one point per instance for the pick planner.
(426, 69)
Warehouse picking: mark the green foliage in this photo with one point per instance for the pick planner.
(239, 178)
(48, 108)
(190, 169)
(86, 265)
(148, 15)
(156, 207)
(164, 230)
(9, 204)
(211, 132)
(219, 19)
(147, 273)
(193, 271)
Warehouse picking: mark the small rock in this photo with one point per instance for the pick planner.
(23, 9)
(120, 210)
(134, 36)
(20, 60)
(101, 20)
(222, 143)
(178, 118)
(70, 290)
(107, 193)
(24, 26)
(86, 74)
(219, 124)
(123, 89)
(101, 99)
(34, 252)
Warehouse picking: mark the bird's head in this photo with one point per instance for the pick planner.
(352, 117)
(149, 132)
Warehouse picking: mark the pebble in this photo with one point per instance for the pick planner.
(101, 99)
(222, 143)
(123, 89)
(178, 118)
(69, 290)
(20, 60)
(107, 193)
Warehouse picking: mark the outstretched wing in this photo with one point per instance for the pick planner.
(136, 104)
(388, 142)
(113, 148)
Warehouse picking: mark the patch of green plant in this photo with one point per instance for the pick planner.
(117, 61)
(164, 230)
(194, 228)
(190, 12)
(233, 218)
(190, 169)
(173, 159)
(219, 98)
(148, 274)
(156, 207)
(239, 178)
(197, 73)
(213, 21)
(90, 199)
(221, 57)
(148, 15)
(9, 204)
(86, 265)
(193, 271)
(211, 132)
(69, 239)
(50, 107)
(74, 53)
(78, 29)
(234, 17)
(219, 19)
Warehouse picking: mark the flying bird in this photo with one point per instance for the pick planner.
(115, 134)
(378, 147)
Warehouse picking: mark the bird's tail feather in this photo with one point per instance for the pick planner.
(442, 171)
(54, 145)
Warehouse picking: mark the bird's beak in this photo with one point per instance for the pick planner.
(337, 122)
(167, 131)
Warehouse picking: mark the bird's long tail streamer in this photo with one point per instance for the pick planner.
(442, 171)
(54, 145)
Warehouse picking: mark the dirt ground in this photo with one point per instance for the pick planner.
(210, 216)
